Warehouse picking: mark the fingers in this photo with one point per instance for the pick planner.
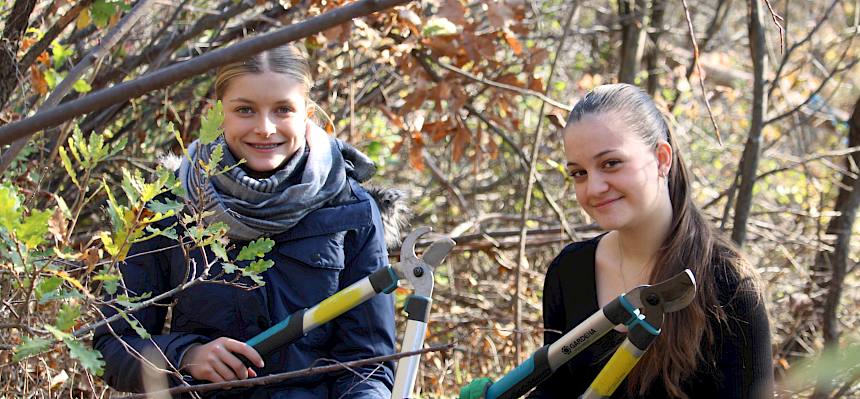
(217, 361)
(245, 350)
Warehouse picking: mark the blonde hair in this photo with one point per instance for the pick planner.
(286, 59)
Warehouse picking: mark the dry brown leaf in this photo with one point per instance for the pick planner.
(453, 11)
(415, 148)
(499, 14)
(38, 80)
(461, 139)
(58, 226)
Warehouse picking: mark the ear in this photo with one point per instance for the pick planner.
(664, 158)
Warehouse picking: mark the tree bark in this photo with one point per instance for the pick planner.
(836, 262)
(167, 76)
(749, 161)
(632, 13)
(16, 25)
(658, 10)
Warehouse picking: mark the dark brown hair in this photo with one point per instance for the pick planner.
(691, 243)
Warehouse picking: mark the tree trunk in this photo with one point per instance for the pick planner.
(16, 25)
(836, 262)
(632, 13)
(658, 9)
(749, 161)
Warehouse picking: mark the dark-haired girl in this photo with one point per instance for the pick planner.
(630, 178)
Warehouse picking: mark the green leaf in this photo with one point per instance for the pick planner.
(107, 243)
(210, 126)
(67, 316)
(256, 249)
(215, 158)
(229, 268)
(155, 232)
(53, 78)
(10, 208)
(101, 11)
(67, 163)
(30, 347)
(91, 359)
(219, 251)
(257, 279)
(119, 146)
(47, 286)
(32, 232)
(260, 265)
(81, 86)
(127, 301)
(110, 281)
(135, 325)
(60, 53)
(58, 334)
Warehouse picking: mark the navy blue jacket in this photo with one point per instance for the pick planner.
(326, 251)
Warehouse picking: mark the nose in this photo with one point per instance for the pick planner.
(596, 183)
(266, 127)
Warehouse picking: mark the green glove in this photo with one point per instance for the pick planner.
(476, 389)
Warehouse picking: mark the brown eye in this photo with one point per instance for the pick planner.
(577, 173)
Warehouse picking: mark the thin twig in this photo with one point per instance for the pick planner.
(519, 90)
(776, 18)
(280, 377)
(699, 70)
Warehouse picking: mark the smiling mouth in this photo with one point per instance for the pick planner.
(264, 146)
(604, 203)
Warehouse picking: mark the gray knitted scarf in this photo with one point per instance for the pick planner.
(254, 208)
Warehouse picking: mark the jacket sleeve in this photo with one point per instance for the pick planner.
(744, 356)
(144, 273)
(367, 330)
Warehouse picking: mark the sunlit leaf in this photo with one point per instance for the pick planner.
(81, 86)
(32, 232)
(258, 266)
(219, 251)
(10, 208)
(256, 249)
(210, 125)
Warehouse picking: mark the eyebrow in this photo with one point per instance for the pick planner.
(245, 100)
(599, 154)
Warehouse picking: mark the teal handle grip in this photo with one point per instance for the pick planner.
(523, 378)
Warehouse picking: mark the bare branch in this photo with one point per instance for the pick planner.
(276, 378)
(519, 90)
(699, 69)
(175, 73)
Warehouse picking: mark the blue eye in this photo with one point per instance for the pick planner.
(284, 110)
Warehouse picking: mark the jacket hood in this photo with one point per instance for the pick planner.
(395, 211)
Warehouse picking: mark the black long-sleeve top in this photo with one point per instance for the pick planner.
(738, 365)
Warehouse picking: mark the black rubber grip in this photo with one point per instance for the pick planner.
(280, 335)
(383, 280)
(418, 308)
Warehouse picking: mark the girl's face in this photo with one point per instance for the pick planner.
(616, 175)
(265, 117)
